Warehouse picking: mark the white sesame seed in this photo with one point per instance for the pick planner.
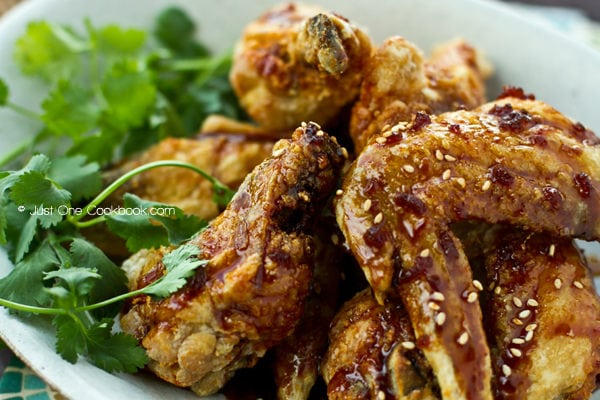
(315, 124)
(433, 306)
(424, 253)
(518, 340)
(446, 174)
(551, 250)
(409, 228)
(477, 285)
(532, 303)
(378, 218)
(578, 284)
(529, 336)
(492, 285)
(449, 158)
(440, 318)
(439, 155)
(367, 205)
(387, 134)
(339, 192)
(381, 140)
(303, 124)
(409, 168)
(381, 395)
(278, 152)
(516, 352)
(345, 152)
(335, 239)
(486, 185)
(461, 182)
(557, 283)
(463, 338)
(497, 290)
(517, 302)
(524, 314)
(517, 321)
(320, 133)
(438, 296)
(506, 370)
(531, 327)
(408, 345)
(472, 297)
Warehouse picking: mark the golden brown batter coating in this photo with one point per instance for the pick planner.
(251, 293)
(298, 63)
(373, 354)
(542, 317)
(515, 160)
(398, 82)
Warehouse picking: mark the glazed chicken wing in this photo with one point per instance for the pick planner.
(515, 160)
(398, 82)
(541, 311)
(298, 63)
(251, 293)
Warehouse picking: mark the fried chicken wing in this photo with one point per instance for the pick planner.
(372, 354)
(251, 293)
(398, 82)
(542, 311)
(298, 63)
(515, 160)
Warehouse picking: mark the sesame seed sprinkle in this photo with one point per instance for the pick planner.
(378, 218)
(497, 290)
(524, 314)
(440, 318)
(335, 239)
(278, 152)
(433, 306)
(367, 205)
(461, 182)
(529, 336)
(409, 168)
(463, 338)
(551, 250)
(506, 370)
(339, 192)
(532, 303)
(578, 284)
(472, 297)
(486, 185)
(477, 285)
(517, 302)
(449, 158)
(424, 253)
(557, 283)
(381, 140)
(409, 228)
(518, 341)
(516, 352)
(320, 133)
(517, 321)
(345, 153)
(381, 395)
(531, 327)
(446, 174)
(439, 155)
(387, 134)
(408, 345)
(439, 296)
(314, 123)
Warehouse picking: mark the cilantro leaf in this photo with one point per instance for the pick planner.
(24, 284)
(70, 109)
(140, 229)
(79, 281)
(77, 176)
(180, 264)
(70, 338)
(176, 30)
(3, 93)
(25, 238)
(112, 39)
(34, 189)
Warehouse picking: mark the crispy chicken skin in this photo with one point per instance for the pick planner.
(372, 354)
(298, 63)
(515, 160)
(398, 82)
(225, 149)
(251, 293)
(541, 311)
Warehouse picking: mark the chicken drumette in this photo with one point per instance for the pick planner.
(298, 63)
(398, 82)
(515, 160)
(251, 293)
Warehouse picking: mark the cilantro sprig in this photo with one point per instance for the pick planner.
(60, 273)
(114, 90)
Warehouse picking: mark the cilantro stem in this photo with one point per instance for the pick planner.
(23, 111)
(75, 220)
(32, 309)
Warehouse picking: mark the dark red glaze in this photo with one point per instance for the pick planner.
(538, 140)
(411, 203)
(454, 128)
(447, 244)
(553, 196)
(421, 120)
(501, 175)
(511, 119)
(515, 92)
(376, 236)
(583, 185)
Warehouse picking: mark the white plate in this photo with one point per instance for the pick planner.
(525, 53)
